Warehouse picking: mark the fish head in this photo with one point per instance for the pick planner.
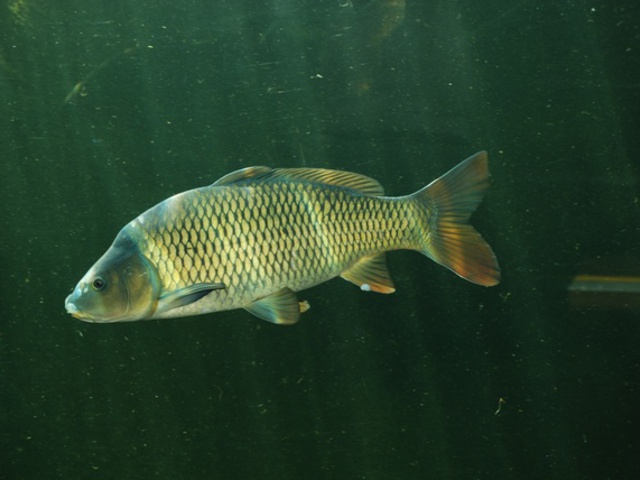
(122, 286)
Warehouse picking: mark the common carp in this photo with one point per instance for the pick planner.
(258, 235)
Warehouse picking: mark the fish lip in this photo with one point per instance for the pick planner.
(75, 312)
(71, 308)
(78, 315)
(69, 305)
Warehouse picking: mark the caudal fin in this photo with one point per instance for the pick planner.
(451, 241)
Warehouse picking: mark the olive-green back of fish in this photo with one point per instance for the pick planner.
(258, 235)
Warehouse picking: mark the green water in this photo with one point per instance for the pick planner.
(441, 380)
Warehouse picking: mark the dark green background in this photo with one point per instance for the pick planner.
(405, 386)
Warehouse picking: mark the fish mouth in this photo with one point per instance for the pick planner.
(71, 308)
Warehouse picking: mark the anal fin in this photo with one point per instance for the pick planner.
(371, 274)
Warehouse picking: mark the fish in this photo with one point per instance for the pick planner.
(258, 235)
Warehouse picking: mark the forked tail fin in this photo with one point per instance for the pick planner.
(451, 241)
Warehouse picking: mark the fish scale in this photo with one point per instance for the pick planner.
(294, 226)
(258, 235)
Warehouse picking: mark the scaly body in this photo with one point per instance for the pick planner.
(257, 240)
(258, 235)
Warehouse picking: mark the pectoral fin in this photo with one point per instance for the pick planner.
(185, 296)
(281, 307)
(371, 274)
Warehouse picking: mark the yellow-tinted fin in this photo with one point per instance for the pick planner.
(304, 306)
(242, 175)
(185, 296)
(281, 307)
(338, 178)
(451, 241)
(371, 274)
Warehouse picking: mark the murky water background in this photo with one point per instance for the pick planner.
(107, 109)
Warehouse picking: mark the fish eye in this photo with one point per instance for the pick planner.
(98, 283)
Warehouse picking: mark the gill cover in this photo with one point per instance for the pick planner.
(122, 286)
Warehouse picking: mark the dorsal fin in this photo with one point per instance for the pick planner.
(243, 175)
(354, 181)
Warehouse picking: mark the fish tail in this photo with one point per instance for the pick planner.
(447, 237)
